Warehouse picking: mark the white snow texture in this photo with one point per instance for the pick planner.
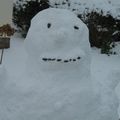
(57, 83)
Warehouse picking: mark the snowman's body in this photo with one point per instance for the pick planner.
(58, 82)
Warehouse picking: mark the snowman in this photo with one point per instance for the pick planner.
(57, 83)
(59, 53)
(59, 58)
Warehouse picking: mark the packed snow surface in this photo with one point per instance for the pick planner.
(56, 83)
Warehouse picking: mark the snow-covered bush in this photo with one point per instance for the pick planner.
(24, 11)
(101, 28)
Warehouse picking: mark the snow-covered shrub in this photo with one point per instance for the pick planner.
(101, 28)
(24, 11)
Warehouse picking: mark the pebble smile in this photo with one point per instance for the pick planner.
(61, 60)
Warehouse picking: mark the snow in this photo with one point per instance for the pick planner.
(82, 6)
(116, 32)
(107, 68)
(3, 76)
(49, 90)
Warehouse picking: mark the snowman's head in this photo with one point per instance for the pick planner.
(57, 36)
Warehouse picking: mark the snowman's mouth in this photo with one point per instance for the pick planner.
(45, 59)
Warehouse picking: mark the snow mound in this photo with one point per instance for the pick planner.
(82, 6)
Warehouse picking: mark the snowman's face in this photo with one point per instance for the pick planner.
(56, 36)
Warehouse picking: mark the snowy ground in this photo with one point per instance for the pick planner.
(102, 65)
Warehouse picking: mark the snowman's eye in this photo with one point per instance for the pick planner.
(49, 25)
(76, 27)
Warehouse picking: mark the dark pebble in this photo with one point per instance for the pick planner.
(66, 61)
(74, 59)
(78, 58)
(76, 27)
(44, 59)
(49, 25)
(59, 60)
